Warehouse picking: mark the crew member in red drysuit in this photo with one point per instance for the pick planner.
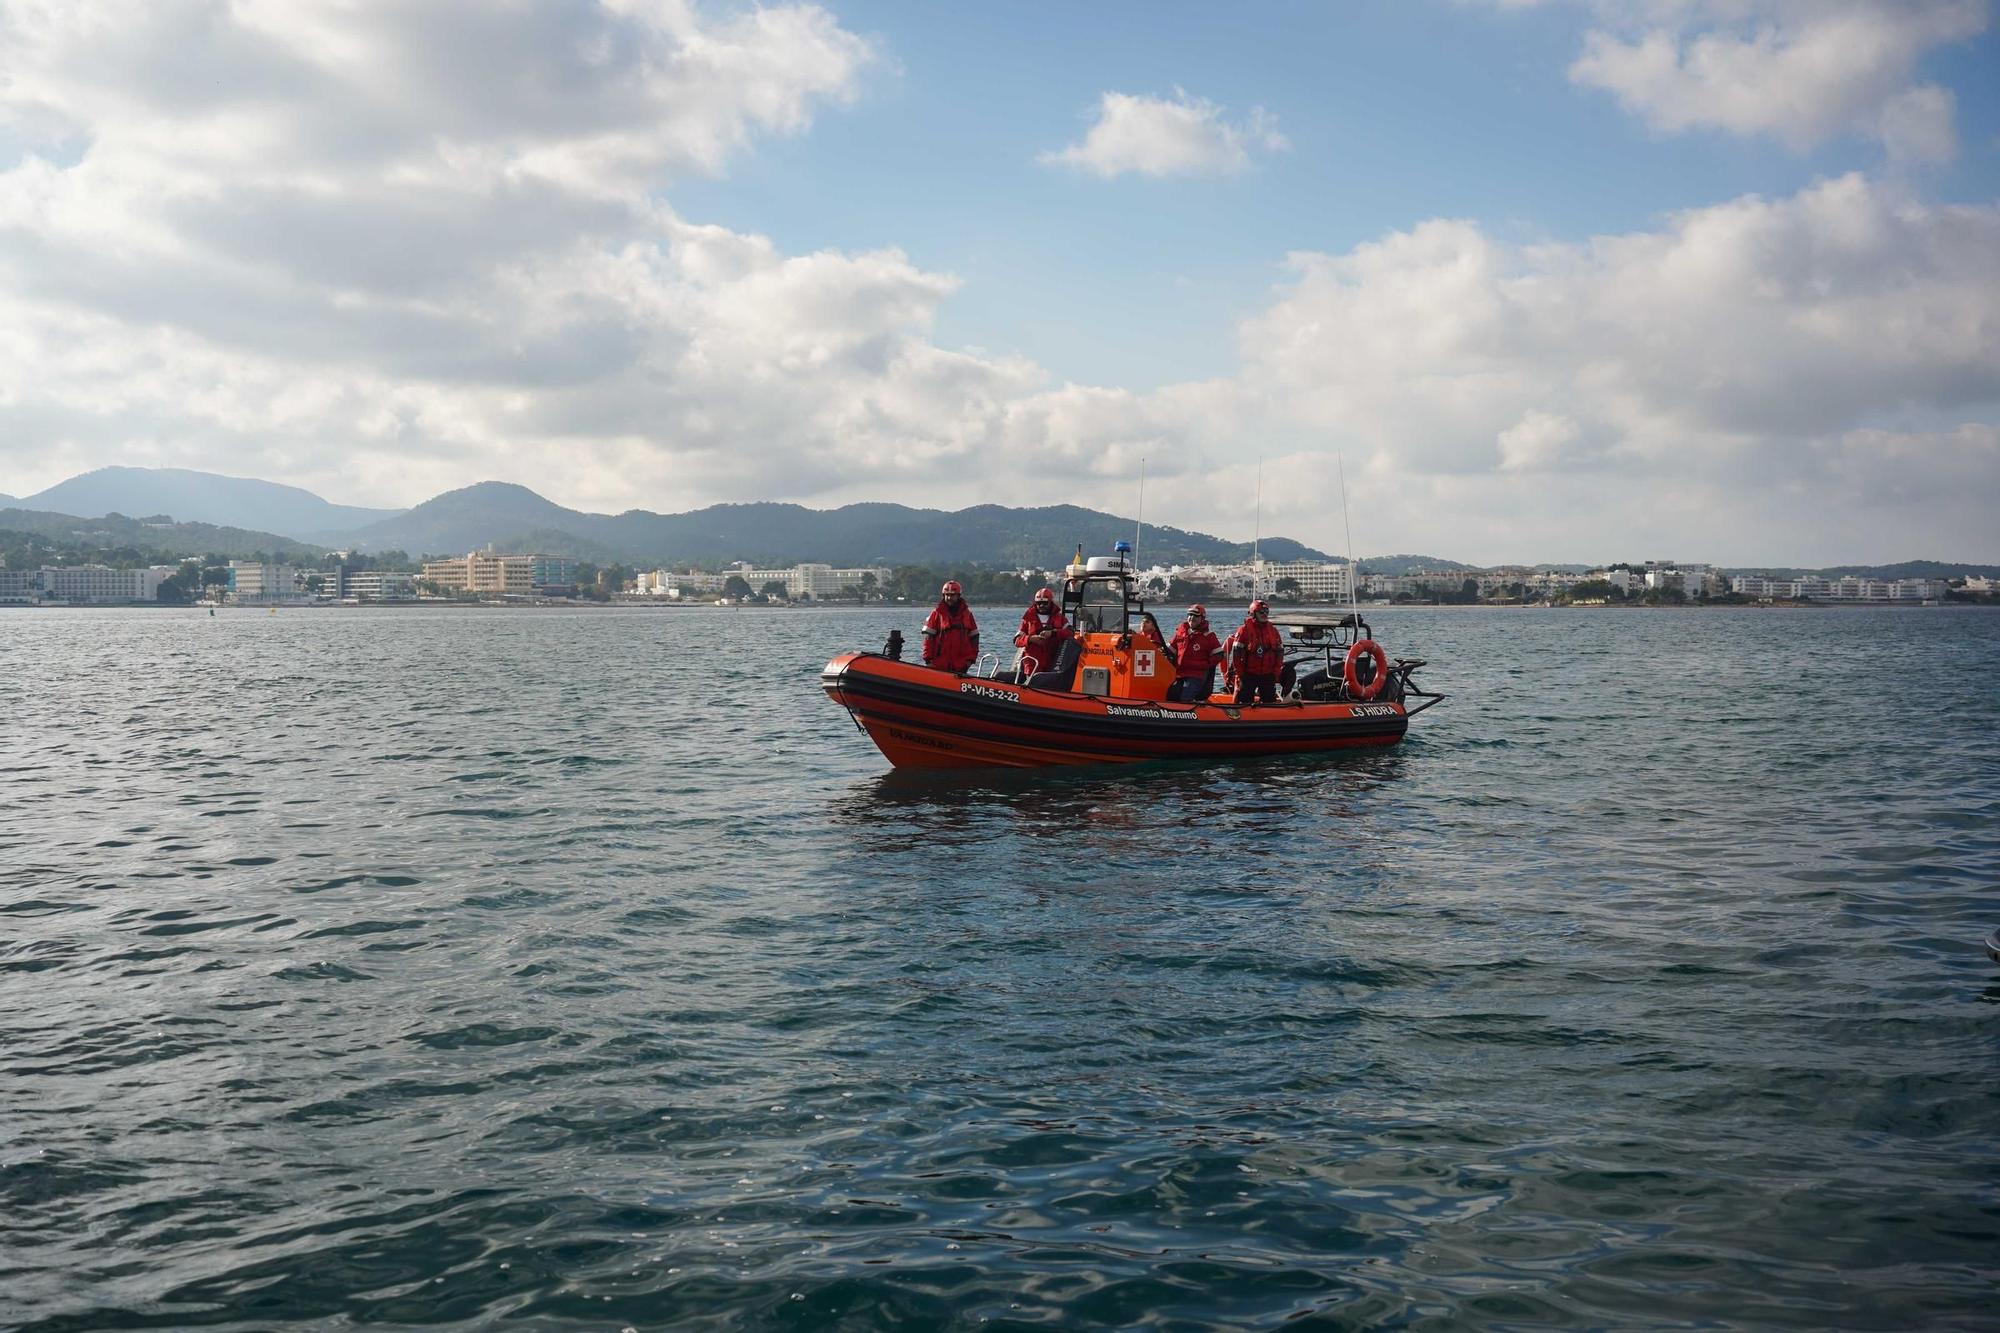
(1043, 629)
(1257, 654)
(951, 635)
(1197, 652)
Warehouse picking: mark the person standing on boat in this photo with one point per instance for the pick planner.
(1196, 653)
(1043, 629)
(951, 635)
(1257, 654)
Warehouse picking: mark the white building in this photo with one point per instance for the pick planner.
(1317, 582)
(694, 583)
(760, 579)
(1700, 580)
(20, 586)
(378, 585)
(810, 580)
(799, 581)
(1851, 588)
(671, 583)
(1232, 582)
(252, 582)
(1503, 581)
(1624, 580)
(1766, 588)
(1430, 583)
(826, 581)
(1550, 581)
(1897, 590)
(98, 585)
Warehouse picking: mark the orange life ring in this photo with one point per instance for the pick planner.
(1355, 689)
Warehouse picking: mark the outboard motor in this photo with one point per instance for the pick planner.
(894, 647)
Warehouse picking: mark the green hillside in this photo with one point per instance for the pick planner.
(33, 536)
(782, 534)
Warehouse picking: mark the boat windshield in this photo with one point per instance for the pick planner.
(1100, 606)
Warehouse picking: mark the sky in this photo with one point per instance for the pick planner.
(1540, 280)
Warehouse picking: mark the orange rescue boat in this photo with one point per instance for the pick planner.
(1104, 700)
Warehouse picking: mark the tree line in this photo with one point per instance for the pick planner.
(983, 586)
(194, 575)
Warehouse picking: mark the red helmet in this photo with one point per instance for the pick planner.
(1046, 595)
(951, 589)
(1197, 610)
(1259, 605)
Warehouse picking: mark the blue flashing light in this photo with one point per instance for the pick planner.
(1122, 548)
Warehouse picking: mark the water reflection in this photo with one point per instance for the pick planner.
(1294, 821)
(1541, 1016)
(1171, 785)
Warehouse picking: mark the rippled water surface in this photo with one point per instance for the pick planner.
(588, 970)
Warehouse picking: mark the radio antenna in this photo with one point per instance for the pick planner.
(1353, 582)
(1257, 536)
(1139, 525)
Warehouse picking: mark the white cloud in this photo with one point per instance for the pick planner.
(1177, 136)
(1728, 360)
(1802, 71)
(301, 242)
(1918, 125)
(1810, 378)
(1892, 471)
(370, 242)
(607, 98)
(1536, 442)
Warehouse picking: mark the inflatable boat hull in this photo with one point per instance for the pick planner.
(923, 718)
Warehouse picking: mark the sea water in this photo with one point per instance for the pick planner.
(589, 970)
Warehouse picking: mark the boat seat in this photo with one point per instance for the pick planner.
(1062, 676)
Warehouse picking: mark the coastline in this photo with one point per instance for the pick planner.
(295, 608)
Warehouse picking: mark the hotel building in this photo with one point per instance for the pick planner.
(20, 586)
(256, 583)
(1849, 589)
(1318, 582)
(552, 573)
(482, 572)
(506, 575)
(82, 585)
(807, 580)
(376, 585)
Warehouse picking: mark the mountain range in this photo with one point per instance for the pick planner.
(511, 517)
(782, 534)
(242, 516)
(203, 497)
(120, 540)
